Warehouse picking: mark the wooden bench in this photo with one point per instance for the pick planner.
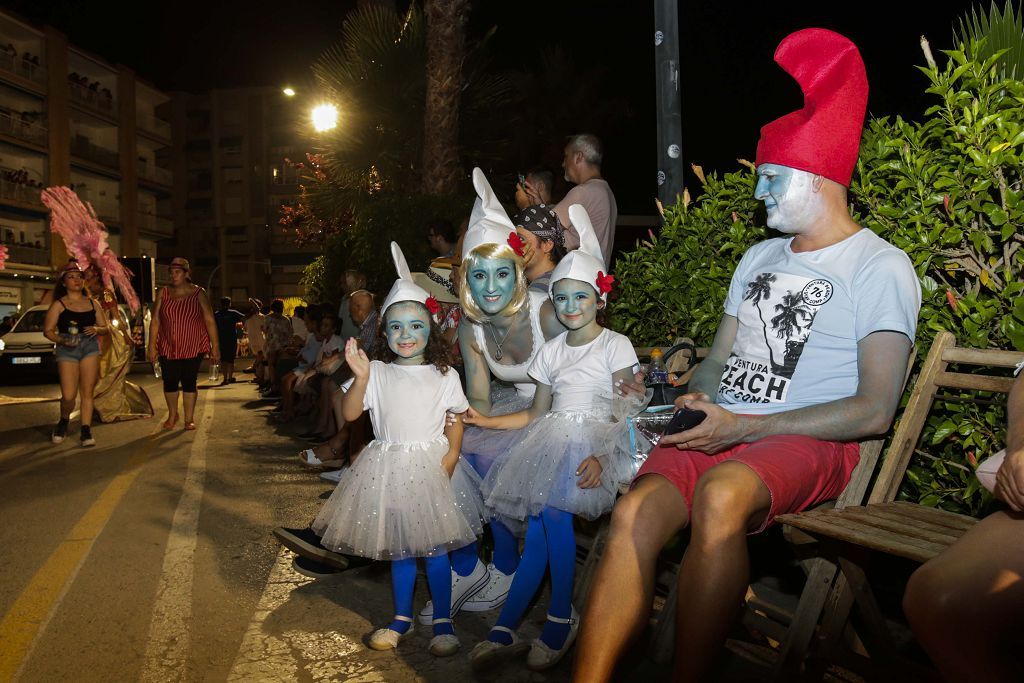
(848, 535)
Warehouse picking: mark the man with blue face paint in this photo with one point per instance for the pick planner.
(808, 359)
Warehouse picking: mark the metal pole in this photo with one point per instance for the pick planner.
(670, 118)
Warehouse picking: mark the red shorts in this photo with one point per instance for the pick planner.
(799, 471)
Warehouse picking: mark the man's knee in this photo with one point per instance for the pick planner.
(649, 514)
(725, 499)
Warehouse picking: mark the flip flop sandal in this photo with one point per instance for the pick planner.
(190, 426)
(309, 459)
(169, 424)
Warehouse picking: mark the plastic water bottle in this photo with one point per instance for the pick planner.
(72, 336)
(214, 371)
(656, 372)
(156, 369)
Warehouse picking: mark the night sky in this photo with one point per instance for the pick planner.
(731, 84)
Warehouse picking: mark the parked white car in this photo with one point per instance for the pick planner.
(25, 349)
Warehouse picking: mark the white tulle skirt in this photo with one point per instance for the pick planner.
(485, 446)
(540, 469)
(396, 501)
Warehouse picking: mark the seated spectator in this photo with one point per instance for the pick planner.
(966, 606)
(299, 331)
(783, 408)
(582, 165)
(351, 281)
(442, 237)
(540, 229)
(290, 371)
(278, 333)
(537, 189)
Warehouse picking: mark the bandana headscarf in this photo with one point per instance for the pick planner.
(542, 221)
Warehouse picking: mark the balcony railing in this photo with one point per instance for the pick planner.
(23, 194)
(94, 99)
(154, 173)
(34, 256)
(17, 127)
(22, 67)
(86, 149)
(152, 124)
(155, 225)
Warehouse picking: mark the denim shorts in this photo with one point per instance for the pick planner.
(88, 346)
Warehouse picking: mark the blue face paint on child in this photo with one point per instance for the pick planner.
(407, 327)
(492, 282)
(576, 303)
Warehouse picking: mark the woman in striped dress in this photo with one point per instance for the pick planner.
(181, 333)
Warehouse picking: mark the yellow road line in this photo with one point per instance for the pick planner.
(36, 603)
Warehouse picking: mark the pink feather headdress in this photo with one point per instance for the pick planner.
(85, 237)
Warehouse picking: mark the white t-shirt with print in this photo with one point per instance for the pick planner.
(801, 315)
(580, 377)
(407, 403)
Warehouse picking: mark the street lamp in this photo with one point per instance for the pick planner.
(325, 117)
(290, 92)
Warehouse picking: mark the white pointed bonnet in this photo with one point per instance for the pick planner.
(488, 223)
(586, 263)
(405, 289)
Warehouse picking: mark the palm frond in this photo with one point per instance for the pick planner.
(984, 35)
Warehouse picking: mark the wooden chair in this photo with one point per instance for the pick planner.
(848, 534)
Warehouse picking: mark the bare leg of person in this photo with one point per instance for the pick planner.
(623, 589)
(728, 500)
(88, 372)
(288, 395)
(188, 403)
(171, 398)
(68, 372)
(965, 605)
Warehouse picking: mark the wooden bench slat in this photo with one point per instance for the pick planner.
(863, 535)
(906, 520)
(991, 357)
(933, 515)
(911, 529)
(959, 380)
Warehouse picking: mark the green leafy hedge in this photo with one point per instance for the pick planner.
(946, 190)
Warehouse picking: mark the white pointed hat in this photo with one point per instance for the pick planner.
(488, 223)
(404, 289)
(586, 263)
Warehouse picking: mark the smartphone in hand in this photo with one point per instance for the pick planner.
(684, 419)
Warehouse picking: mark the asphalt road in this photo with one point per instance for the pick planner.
(150, 557)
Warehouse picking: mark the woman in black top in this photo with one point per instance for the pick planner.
(73, 323)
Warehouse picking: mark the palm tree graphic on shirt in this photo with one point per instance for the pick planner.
(792, 321)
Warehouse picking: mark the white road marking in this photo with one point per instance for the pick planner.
(170, 631)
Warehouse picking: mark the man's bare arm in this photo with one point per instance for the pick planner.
(881, 359)
(708, 374)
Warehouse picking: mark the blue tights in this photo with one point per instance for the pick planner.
(550, 543)
(439, 579)
(506, 545)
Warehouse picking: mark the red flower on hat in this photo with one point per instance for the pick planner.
(517, 243)
(604, 282)
(432, 306)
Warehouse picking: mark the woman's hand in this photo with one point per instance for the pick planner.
(589, 473)
(471, 417)
(356, 359)
(1010, 481)
(449, 461)
(215, 354)
(531, 192)
(151, 354)
(91, 331)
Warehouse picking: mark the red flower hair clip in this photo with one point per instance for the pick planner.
(604, 282)
(517, 243)
(432, 305)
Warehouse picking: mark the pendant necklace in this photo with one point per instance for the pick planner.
(497, 344)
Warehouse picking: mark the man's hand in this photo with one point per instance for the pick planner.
(1010, 481)
(589, 473)
(720, 430)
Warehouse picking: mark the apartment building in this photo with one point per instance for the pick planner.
(231, 178)
(69, 118)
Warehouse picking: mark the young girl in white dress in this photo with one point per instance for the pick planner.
(408, 494)
(569, 460)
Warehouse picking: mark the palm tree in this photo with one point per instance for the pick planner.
(982, 35)
(791, 313)
(761, 288)
(446, 46)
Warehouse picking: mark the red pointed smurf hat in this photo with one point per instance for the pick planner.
(824, 137)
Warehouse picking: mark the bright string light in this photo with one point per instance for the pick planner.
(290, 92)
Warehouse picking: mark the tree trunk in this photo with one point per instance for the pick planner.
(446, 44)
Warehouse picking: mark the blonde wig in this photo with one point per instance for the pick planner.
(472, 260)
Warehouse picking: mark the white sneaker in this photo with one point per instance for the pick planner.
(492, 595)
(463, 588)
(334, 476)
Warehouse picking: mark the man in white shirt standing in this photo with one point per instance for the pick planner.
(582, 166)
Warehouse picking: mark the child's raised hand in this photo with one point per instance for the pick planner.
(356, 359)
(589, 473)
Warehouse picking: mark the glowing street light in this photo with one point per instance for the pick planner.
(290, 92)
(325, 117)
